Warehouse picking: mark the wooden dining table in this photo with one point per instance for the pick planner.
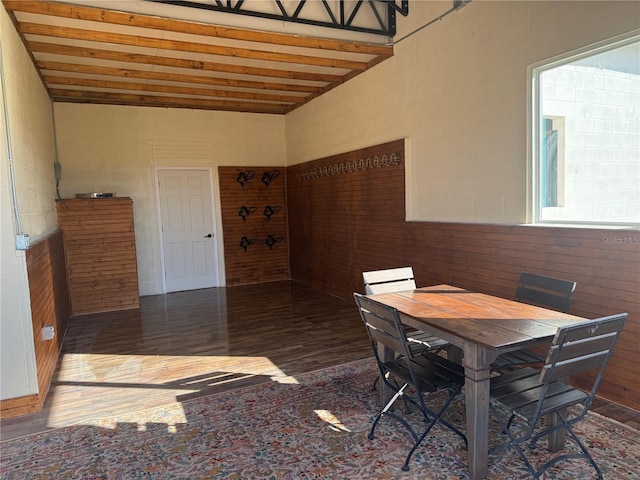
(482, 327)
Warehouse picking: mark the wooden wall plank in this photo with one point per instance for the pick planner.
(16, 407)
(50, 305)
(254, 222)
(100, 250)
(345, 219)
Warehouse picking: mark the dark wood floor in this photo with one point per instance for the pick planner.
(187, 344)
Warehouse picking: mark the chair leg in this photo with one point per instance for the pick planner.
(585, 453)
(371, 436)
(449, 425)
(513, 442)
(435, 418)
(396, 417)
(399, 393)
(374, 388)
(405, 467)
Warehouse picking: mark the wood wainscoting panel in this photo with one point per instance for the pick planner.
(346, 216)
(254, 221)
(49, 298)
(343, 222)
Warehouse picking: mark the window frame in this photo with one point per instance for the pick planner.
(534, 130)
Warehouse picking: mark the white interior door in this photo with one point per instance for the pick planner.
(188, 237)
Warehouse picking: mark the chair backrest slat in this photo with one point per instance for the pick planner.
(582, 347)
(390, 280)
(386, 340)
(578, 348)
(383, 325)
(574, 366)
(565, 287)
(590, 329)
(545, 291)
(379, 323)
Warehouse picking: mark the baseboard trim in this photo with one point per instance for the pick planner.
(16, 407)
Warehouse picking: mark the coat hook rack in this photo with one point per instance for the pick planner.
(244, 177)
(268, 177)
(269, 211)
(244, 212)
(245, 242)
(271, 241)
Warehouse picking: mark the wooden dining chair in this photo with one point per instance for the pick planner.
(388, 280)
(545, 291)
(409, 375)
(541, 291)
(397, 280)
(529, 395)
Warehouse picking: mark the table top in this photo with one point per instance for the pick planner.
(483, 319)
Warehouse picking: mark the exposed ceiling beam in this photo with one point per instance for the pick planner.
(95, 55)
(78, 12)
(172, 77)
(157, 101)
(177, 62)
(146, 87)
(192, 47)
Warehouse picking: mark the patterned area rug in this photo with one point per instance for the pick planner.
(314, 427)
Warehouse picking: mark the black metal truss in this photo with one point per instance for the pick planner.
(345, 14)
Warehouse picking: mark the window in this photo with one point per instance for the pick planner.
(586, 136)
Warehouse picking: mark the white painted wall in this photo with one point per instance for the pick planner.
(458, 91)
(118, 149)
(31, 130)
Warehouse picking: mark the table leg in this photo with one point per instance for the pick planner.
(477, 385)
(556, 440)
(454, 354)
(386, 355)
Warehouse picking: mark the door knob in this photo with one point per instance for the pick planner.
(208, 236)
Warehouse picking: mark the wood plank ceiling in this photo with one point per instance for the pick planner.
(86, 54)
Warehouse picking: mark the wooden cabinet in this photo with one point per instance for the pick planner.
(100, 251)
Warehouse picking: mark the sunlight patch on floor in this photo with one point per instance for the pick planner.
(332, 420)
(140, 390)
(285, 380)
(143, 368)
(170, 417)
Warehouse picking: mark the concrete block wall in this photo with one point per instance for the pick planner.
(601, 111)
